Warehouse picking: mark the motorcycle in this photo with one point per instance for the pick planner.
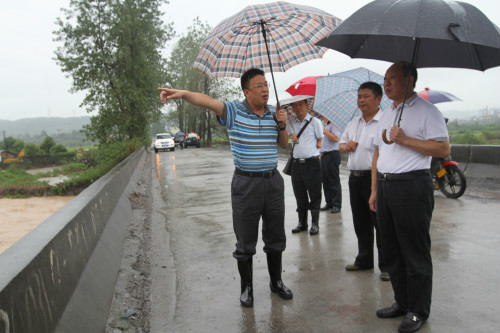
(448, 177)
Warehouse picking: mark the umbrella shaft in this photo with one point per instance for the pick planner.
(262, 24)
(413, 64)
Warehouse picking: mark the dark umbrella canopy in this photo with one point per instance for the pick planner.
(449, 34)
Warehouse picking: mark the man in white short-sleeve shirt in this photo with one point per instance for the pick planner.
(306, 168)
(358, 141)
(403, 193)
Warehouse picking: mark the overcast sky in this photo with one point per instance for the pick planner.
(32, 85)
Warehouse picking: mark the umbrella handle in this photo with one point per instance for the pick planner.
(384, 138)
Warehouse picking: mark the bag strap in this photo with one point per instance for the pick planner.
(300, 132)
(303, 128)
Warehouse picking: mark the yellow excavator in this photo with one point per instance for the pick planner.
(18, 159)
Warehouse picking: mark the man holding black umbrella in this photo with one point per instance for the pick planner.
(402, 193)
(257, 189)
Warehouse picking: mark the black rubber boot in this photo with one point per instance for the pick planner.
(314, 223)
(302, 226)
(246, 271)
(276, 284)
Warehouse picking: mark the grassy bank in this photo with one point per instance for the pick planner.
(88, 166)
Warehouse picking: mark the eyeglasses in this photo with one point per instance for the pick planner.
(261, 86)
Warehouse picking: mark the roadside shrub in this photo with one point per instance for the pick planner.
(31, 149)
(58, 149)
(16, 176)
(107, 156)
(90, 166)
(47, 144)
(73, 168)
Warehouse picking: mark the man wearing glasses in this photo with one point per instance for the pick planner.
(257, 188)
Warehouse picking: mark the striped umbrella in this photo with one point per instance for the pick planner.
(337, 94)
(240, 42)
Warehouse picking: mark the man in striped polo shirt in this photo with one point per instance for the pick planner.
(257, 188)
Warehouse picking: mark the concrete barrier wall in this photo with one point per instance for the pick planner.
(60, 277)
(478, 161)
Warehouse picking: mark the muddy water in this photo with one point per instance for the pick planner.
(20, 216)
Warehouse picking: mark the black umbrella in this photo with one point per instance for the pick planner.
(439, 33)
(426, 33)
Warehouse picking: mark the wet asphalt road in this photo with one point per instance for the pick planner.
(195, 282)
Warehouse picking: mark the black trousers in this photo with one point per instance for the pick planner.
(330, 176)
(365, 222)
(306, 183)
(253, 198)
(404, 212)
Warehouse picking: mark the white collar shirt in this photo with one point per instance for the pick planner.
(420, 120)
(364, 133)
(327, 144)
(307, 144)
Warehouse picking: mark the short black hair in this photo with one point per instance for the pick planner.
(406, 67)
(248, 75)
(373, 86)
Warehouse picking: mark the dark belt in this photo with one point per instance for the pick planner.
(328, 152)
(260, 174)
(403, 176)
(305, 160)
(361, 173)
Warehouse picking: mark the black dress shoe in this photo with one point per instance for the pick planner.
(391, 312)
(325, 207)
(411, 323)
(335, 210)
(314, 229)
(300, 227)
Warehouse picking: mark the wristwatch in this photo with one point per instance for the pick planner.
(281, 128)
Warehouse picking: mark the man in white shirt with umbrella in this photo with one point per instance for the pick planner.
(403, 193)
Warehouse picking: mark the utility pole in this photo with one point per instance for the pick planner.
(5, 142)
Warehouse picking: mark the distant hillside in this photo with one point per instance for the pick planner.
(35, 126)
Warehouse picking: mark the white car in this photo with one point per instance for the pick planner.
(164, 141)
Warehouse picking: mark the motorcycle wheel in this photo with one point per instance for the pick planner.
(453, 183)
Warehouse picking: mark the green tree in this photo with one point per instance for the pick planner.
(58, 149)
(8, 144)
(183, 76)
(12, 145)
(112, 50)
(31, 149)
(18, 146)
(47, 144)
